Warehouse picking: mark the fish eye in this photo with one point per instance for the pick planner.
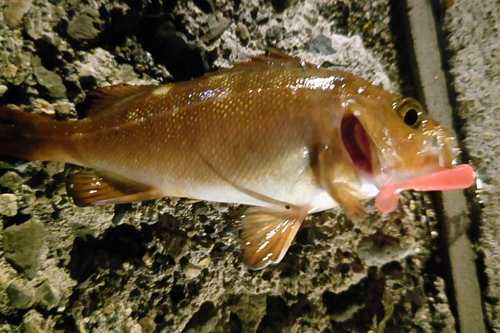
(410, 117)
(410, 111)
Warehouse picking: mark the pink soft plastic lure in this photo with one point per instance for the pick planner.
(460, 177)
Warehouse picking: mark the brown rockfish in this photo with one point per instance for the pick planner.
(276, 133)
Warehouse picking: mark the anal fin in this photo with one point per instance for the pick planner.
(89, 188)
(268, 233)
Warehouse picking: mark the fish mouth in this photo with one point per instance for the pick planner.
(357, 143)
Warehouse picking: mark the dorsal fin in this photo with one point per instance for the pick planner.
(278, 59)
(272, 59)
(102, 98)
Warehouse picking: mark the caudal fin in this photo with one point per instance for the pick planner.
(29, 136)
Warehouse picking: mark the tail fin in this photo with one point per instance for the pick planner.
(30, 136)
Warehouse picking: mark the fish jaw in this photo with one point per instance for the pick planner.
(434, 149)
(398, 156)
(389, 150)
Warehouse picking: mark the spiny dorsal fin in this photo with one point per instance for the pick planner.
(103, 98)
(89, 188)
(267, 234)
(278, 59)
(272, 59)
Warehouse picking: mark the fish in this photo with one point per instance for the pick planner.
(286, 137)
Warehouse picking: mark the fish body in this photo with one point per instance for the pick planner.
(218, 139)
(275, 133)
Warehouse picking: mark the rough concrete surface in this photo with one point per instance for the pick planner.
(473, 42)
(171, 265)
(454, 219)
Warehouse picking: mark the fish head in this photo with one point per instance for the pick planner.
(392, 139)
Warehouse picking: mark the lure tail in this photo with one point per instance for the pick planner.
(31, 136)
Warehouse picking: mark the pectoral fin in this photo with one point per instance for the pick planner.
(267, 234)
(88, 188)
(342, 194)
(340, 191)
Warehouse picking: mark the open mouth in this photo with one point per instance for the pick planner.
(356, 142)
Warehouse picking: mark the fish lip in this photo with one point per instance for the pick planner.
(357, 143)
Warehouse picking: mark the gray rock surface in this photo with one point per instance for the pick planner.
(170, 265)
(47, 79)
(82, 27)
(8, 204)
(20, 296)
(47, 296)
(14, 12)
(24, 247)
